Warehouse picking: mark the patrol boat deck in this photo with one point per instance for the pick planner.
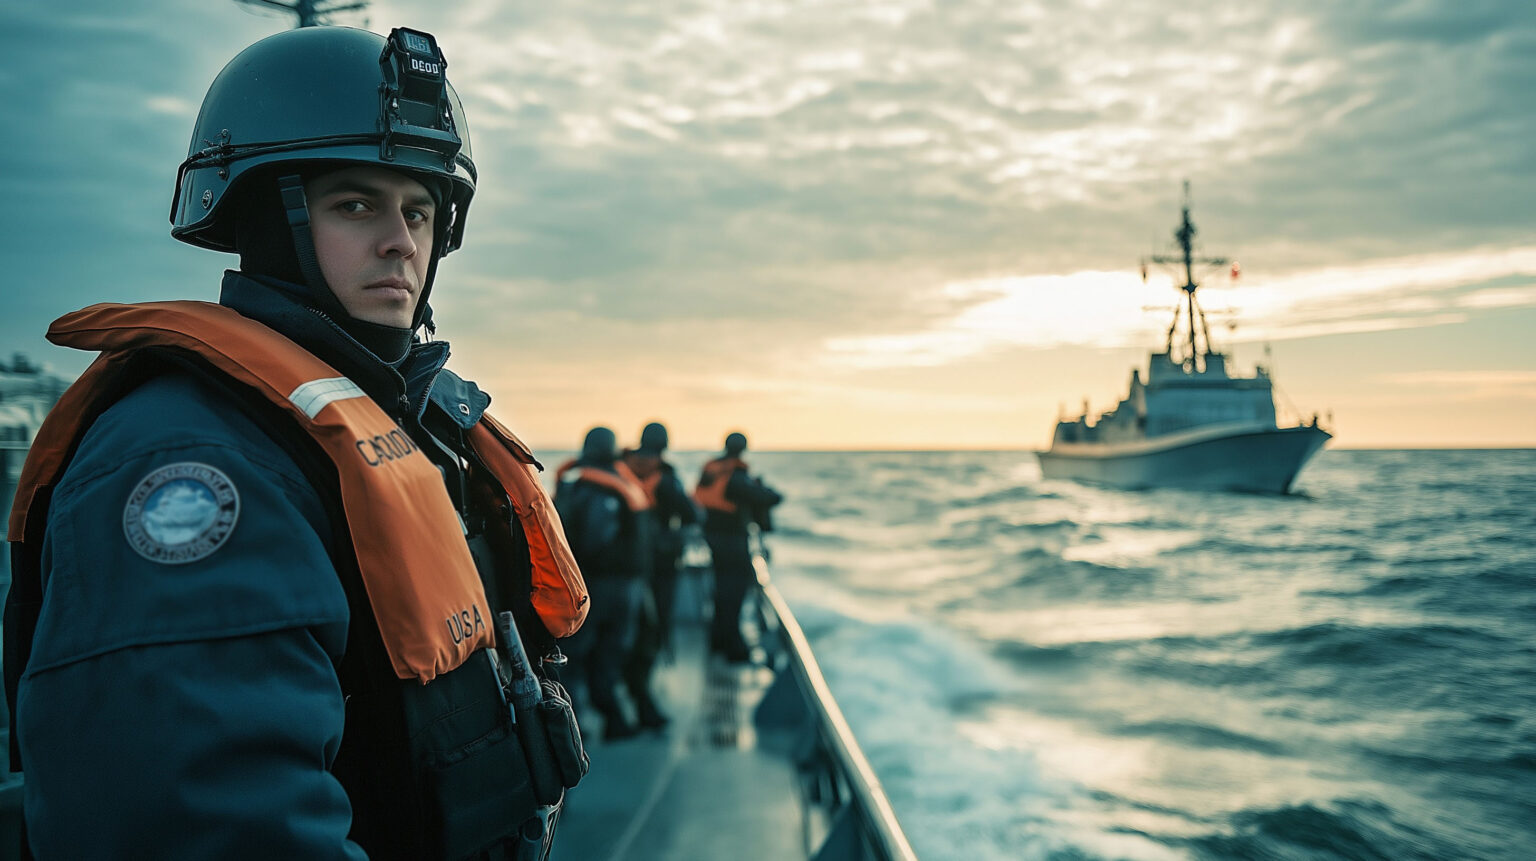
(756, 764)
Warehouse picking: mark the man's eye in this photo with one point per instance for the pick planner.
(418, 215)
(352, 206)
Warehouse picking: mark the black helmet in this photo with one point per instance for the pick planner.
(320, 97)
(600, 447)
(653, 439)
(735, 443)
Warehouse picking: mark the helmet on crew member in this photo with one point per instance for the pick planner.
(307, 101)
(735, 443)
(599, 448)
(653, 439)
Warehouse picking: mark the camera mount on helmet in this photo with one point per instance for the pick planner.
(414, 109)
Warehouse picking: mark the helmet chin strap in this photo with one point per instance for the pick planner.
(296, 207)
(389, 343)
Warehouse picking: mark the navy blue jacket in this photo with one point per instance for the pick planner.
(673, 511)
(195, 710)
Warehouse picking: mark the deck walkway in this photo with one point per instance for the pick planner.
(701, 790)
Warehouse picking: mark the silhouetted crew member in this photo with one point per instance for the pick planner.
(731, 499)
(260, 546)
(671, 511)
(604, 512)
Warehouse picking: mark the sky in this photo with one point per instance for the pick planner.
(876, 225)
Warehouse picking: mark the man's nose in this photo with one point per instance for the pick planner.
(396, 238)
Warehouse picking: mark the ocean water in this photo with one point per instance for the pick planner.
(1045, 670)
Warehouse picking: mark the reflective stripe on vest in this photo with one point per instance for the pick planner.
(715, 477)
(416, 568)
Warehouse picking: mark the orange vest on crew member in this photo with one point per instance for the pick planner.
(648, 482)
(622, 481)
(421, 581)
(713, 481)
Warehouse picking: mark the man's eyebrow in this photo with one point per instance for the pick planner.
(367, 189)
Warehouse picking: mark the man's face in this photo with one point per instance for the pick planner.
(373, 237)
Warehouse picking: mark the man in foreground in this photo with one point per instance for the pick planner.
(282, 588)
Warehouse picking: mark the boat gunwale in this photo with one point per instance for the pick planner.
(871, 802)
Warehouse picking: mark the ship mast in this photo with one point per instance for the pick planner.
(1185, 235)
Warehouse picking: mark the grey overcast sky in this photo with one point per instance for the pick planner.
(876, 224)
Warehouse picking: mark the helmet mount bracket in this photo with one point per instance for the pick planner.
(414, 108)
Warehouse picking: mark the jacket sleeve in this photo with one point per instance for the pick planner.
(750, 492)
(186, 710)
(674, 501)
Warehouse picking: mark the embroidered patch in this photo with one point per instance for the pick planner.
(181, 513)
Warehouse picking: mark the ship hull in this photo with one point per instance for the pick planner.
(1251, 459)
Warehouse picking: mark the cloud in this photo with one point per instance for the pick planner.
(678, 146)
(1503, 385)
(846, 187)
(1106, 309)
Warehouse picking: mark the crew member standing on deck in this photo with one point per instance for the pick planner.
(604, 511)
(271, 558)
(731, 499)
(671, 512)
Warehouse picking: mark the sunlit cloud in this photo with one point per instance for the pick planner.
(1109, 309)
(1469, 385)
(1500, 297)
(171, 106)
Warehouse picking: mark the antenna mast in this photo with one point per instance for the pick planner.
(1185, 235)
(310, 12)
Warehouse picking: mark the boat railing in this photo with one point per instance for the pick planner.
(846, 814)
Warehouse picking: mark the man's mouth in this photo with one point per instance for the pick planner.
(395, 288)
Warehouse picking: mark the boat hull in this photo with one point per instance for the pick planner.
(1254, 460)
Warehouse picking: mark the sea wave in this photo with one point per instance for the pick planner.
(1338, 644)
(1049, 670)
(1351, 829)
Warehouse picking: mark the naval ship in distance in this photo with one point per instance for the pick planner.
(1190, 423)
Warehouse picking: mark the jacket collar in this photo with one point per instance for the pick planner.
(399, 389)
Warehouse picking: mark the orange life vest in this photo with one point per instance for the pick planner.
(417, 570)
(648, 482)
(621, 481)
(712, 483)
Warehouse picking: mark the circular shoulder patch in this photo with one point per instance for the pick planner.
(181, 513)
